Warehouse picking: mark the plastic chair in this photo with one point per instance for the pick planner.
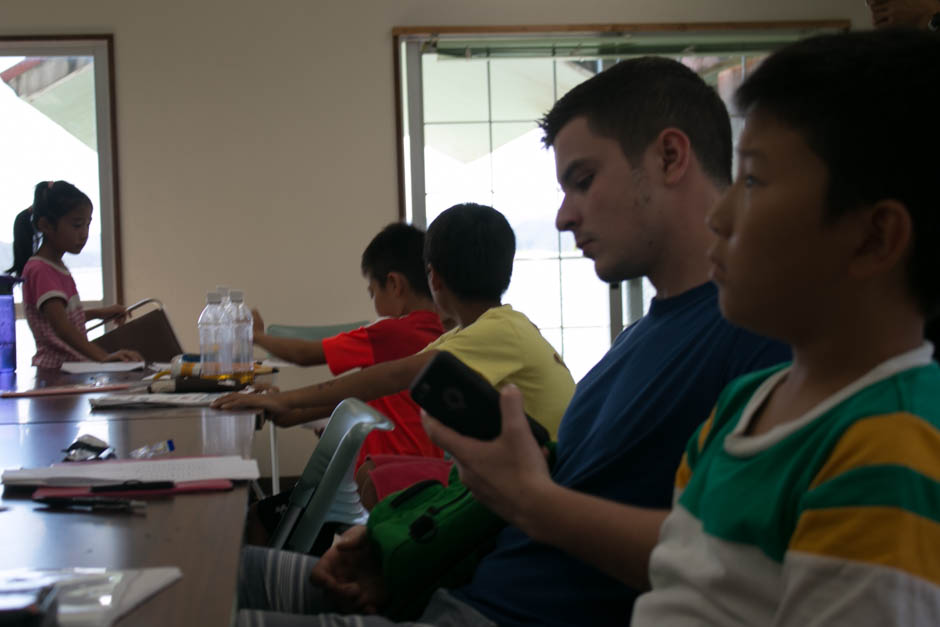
(327, 491)
(304, 333)
(313, 332)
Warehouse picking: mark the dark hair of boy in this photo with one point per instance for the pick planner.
(471, 248)
(873, 128)
(51, 200)
(632, 102)
(397, 248)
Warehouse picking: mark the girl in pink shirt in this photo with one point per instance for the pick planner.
(60, 216)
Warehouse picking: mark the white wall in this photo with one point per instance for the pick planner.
(256, 140)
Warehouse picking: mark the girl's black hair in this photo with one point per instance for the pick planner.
(23, 238)
(51, 200)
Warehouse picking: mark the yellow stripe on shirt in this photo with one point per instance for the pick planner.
(900, 439)
(684, 473)
(887, 536)
(704, 431)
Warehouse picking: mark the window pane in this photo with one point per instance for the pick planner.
(454, 90)
(536, 237)
(524, 187)
(569, 74)
(535, 291)
(457, 166)
(522, 89)
(519, 160)
(584, 298)
(584, 347)
(457, 156)
(492, 153)
(437, 203)
(48, 125)
(553, 337)
(568, 249)
(647, 292)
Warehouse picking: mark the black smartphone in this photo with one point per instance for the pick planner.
(462, 399)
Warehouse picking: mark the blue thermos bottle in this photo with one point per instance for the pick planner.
(7, 324)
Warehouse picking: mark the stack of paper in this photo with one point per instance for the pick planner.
(155, 400)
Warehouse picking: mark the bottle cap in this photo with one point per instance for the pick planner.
(222, 290)
(213, 298)
(236, 296)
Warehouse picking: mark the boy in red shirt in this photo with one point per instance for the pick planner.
(393, 265)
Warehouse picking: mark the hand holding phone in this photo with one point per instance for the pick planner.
(463, 400)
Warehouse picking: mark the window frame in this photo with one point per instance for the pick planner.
(407, 46)
(101, 48)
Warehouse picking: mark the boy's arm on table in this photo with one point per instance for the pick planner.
(274, 409)
(54, 311)
(510, 476)
(389, 377)
(294, 350)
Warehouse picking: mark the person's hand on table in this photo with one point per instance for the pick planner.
(895, 13)
(125, 355)
(265, 388)
(504, 472)
(350, 573)
(236, 400)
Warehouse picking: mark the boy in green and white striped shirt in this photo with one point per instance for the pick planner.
(812, 494)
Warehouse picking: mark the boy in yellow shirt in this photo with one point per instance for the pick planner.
(469, 251)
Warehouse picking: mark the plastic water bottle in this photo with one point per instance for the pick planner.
(243, 346)
(226, 336)
(226, 332)
(209, 336)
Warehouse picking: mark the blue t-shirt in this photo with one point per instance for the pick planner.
(622, 439)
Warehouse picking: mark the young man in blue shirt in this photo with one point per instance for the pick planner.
(810, 496)
(642, 151)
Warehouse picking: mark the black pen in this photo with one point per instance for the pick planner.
(95, 503)
(133, 484)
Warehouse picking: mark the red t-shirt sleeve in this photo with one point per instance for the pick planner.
(349, 350)
(394, 338)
